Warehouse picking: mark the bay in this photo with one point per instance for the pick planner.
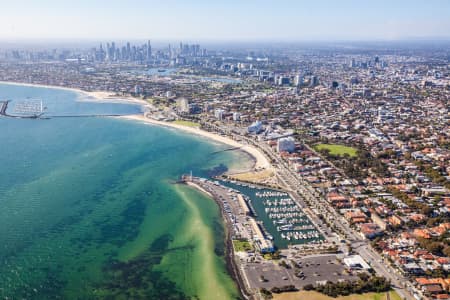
(88, 208)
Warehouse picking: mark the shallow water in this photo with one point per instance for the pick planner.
(89, 209)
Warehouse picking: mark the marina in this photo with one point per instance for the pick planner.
(281, 219)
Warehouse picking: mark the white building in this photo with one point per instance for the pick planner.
(183, 105)
(356, 262)
(286, 144)
(218, 113)
(298, 80)
(256, 127)
(137, 89)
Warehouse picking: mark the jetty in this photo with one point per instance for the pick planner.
(225, 150)
(36, 111)
(3, 107)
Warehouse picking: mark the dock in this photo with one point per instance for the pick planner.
(39, 113)
(3, 107)
(225, 150)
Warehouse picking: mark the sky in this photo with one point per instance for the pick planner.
(225, 20)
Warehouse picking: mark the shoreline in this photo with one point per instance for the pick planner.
(93, 96)
(231, 265)
(260, 161)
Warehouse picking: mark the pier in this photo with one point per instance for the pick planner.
(225, 150)
(4, 106)
(39, 114)
(87, 116)
(35, 110)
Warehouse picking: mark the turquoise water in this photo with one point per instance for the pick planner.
(88, 208)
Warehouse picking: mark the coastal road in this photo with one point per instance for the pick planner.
(295, 183)
(382, 268)
(359, 245)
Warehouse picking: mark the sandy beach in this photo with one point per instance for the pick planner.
(94, 96)
(261, 161)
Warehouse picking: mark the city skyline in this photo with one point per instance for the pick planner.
(225, 149)
(232, 20)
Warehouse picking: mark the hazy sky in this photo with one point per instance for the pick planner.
(225, 20)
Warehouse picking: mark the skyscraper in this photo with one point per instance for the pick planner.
(149, 51)
(128, 55)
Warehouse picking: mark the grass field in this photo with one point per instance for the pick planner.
(317, 296)
(242, 246)
(186, 123)
(337, 149)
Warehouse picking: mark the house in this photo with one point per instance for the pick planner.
(338, 200)
(444, 263)
(370, 230)
(395, 220)
(377, 220)
(355, 216)
(412, 269)
(422, 233)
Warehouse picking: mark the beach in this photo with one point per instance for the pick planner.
(123, 214)
(261, 162)
(97, 96)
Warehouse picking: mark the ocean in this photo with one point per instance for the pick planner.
(89, 208)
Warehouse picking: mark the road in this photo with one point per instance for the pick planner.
(358, 244)
(307, 194)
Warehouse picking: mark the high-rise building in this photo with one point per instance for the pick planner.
(149, 51)
(313, 81)
(112, 51)
(218, 113)
(286, 144)
(128, 55)
(256, 127)
(298, 80)
(137, 89)
(183, 105)
(283, 80)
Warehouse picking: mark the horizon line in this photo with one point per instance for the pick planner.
(272, 39)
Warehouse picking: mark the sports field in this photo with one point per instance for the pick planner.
(186, 123)
(336, 149)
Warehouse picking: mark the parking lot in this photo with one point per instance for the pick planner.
(311, 270)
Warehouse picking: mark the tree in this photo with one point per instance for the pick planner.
(266, 293)
(426, 210)
(435, 247)
(446, 251)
